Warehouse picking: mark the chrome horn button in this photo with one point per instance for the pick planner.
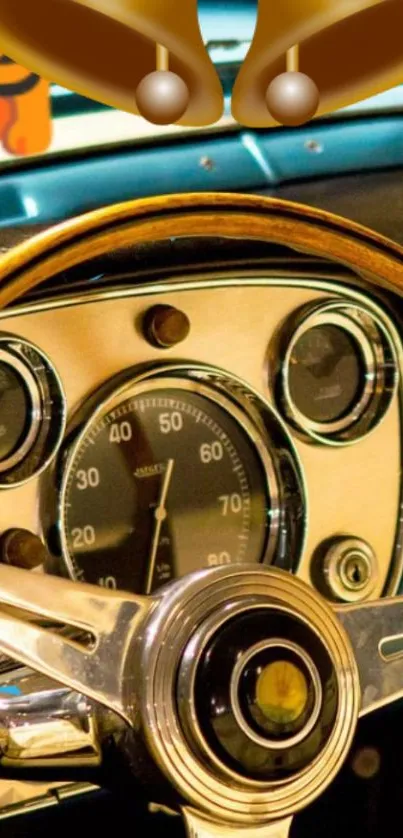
(250, 700)
(177, 641)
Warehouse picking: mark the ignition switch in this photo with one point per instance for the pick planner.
(350, 569)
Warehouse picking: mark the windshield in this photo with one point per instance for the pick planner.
(227, 27)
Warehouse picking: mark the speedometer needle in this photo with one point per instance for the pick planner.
(160, 514)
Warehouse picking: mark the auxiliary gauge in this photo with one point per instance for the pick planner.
(338, 373)
(32, 410)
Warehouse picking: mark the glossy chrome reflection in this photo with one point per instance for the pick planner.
(132, 636)
(108, 618)
(45, 725)
(373, 627)
(136, 635)
(32, 390)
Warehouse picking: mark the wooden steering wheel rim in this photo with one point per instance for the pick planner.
(303, 228)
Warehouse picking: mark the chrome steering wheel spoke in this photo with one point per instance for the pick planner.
(375, 630)
(173, 666)
(106, 619)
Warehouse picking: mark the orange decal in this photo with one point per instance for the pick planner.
(25, 115)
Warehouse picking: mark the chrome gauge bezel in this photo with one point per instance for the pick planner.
(252, 414)
(48, 412)
(378, 357)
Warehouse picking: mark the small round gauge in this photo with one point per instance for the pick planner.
(32, 410)
(338, 373)
(168, 476)
(326, 373)
(19, 404)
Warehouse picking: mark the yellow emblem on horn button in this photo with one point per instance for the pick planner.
(282, 692)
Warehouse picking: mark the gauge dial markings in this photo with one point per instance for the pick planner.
(219, 499)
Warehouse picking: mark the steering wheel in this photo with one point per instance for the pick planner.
(178, 669)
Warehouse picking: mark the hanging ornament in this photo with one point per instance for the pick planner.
(162, 96)
(292, 97)
(102, 49)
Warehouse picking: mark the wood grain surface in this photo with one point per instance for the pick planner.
(303, 228)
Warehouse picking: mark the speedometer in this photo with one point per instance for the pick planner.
(168, 476)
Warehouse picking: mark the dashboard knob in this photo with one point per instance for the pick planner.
(166, 326)
(22, 548)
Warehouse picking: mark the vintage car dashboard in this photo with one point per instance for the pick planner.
(203, 401)
(269, 431)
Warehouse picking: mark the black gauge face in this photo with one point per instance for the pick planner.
(15, 411)
(165, 483)
(326, 374)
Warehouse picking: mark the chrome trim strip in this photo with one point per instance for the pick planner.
(256, 278)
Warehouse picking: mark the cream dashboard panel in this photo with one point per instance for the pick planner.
(353, 490)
